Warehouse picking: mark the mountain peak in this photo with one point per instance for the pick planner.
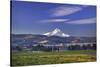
(57, 29)
(57, 32)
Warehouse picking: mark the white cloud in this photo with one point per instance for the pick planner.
(54, 20)
(83, 21)
(65, 10)
(80, 21)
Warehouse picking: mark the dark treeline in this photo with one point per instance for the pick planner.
(55, 48)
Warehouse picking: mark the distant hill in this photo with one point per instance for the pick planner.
(30, 39)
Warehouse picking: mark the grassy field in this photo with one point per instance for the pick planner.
(38, 58)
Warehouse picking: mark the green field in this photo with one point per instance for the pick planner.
(39, 58)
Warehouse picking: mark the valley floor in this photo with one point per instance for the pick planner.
(40, 58)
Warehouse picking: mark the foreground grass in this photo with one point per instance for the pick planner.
(38, 58)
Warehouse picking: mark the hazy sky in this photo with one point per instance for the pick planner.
(40, 18)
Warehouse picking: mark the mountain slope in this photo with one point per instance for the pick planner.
(57, 32)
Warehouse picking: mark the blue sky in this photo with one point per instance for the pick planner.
(40, 18)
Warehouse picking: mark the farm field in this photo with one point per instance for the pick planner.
(41, 58)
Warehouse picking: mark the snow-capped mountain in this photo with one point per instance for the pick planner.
(57, 32)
